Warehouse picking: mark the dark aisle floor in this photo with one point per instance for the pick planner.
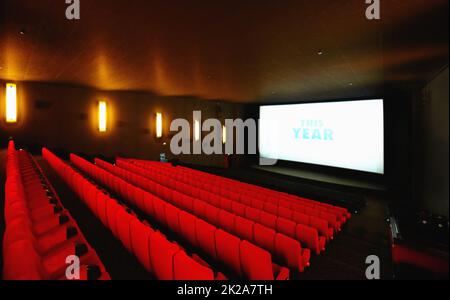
(365, 234)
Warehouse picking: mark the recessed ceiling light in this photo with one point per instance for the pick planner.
(350, 83)
(22, 32)
(320, 52)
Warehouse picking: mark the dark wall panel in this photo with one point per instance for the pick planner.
(66, 117)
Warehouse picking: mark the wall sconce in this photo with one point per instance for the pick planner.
(224, 134)
(102, 116)
(196, 130)
(11, 103)
(158, 125)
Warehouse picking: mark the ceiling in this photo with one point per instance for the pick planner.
(244, 51)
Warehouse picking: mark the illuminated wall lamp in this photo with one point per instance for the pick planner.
(196, 130)
(102, 116)
(224, 134)
(11, 103)
(159, 125)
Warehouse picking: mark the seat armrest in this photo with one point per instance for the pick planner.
(220, 276)
(282, 274)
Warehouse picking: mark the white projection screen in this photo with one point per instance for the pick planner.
(344, 134)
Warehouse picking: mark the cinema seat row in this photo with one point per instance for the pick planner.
(247, 193)
(229, 187)
(214, 207)
(164, 259)
(284, 249)
(242, 258)
(41, 237)
(232, 189)
(322, 225)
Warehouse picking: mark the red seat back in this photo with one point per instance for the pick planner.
(256, 262)
(185, 268)
(162, 254)
(140, 242)
(264, 237)
(205, 234)
(228, 251)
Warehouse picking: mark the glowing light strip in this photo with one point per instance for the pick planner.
(102, 117)
(11, 103)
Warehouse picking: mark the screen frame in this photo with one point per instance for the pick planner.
(332, 169)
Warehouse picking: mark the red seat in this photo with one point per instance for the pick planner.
(166, 193)
(130, 194)
(185, 268)
(148, 205)
(140, 242)
(200, 208)
(331, 219)
(268, 219)
(300, 218)
(204, 195)
(122, 189)
(43, 213)
(112, 207)
(264, 237)
(91, 199)
(270, 208)
(138, 197)
(244, 228)
(226, 221)
(20, 229)
(160, 211)
(190, 191)
(172, 217)
(215, 200)
(246, 200)
(228, 250)
(322, 226)
(310, 238)
(124, 219)
(188, 202)
(252, 214)
(290, 253)
(258, 204)
(238, 208)
(286, 226)
(22, 263)
(212, 214)
(101, 207)
(162, 253)
(15, 210)
(187, 227)
(312, 212)
(284, 203)
(284, 212)
(205, 233)
(225, 204)
(256, 263)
